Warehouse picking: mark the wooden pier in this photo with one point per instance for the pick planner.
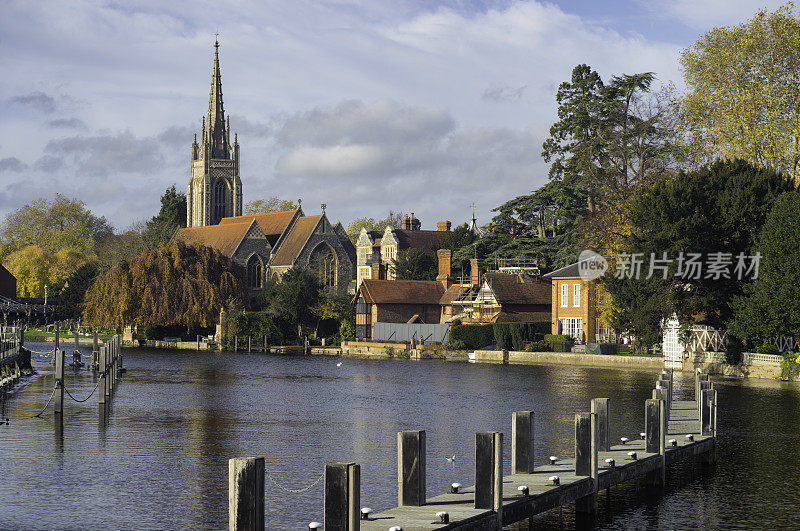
(674, 431)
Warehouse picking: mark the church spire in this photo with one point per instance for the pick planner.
(217, 134)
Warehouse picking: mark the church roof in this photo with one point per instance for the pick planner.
(224, 238)
(401, 291)
(272, 224)
(295, 240)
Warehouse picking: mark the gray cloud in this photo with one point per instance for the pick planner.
(176, 136)
(503, 94)
(68, 123)
(12, 164)
(49, 164)
(37, 100)
(108, 153)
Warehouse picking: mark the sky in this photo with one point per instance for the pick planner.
(364, 105)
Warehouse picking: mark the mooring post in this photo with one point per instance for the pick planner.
(661, 392)
(101, 387)
(601, 406)
(95, 351)
(236, 343)
(59, 383)
(699, 378)
(704, 385)
(586, 458)
(489, 473)
(655, 428)
(55, 342)
(707, 412)
(411, 468)
(265, 344)
(522, 442)
(249, 345)
(246, 493)
(342, 496)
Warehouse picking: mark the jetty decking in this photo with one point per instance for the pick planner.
(542, 494)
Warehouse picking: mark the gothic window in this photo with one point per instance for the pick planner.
(254, 272)
(323, 263)
(219, 200)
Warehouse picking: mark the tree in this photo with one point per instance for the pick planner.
(74, 290)
(716, 209)
(743, 97)
(769, 308)
(292, 299)
(174, 284)
(393, 219)
(273, 204)
(414, 264)
(173, 207)
(62, 223)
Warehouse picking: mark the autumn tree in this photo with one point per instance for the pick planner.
(174, 284)
(45, 241)
(273, 204)
(743, 92)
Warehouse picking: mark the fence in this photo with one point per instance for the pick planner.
(422, 333)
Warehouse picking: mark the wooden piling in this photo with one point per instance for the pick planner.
(249, 345)
(342, 496)
(489, 473)
(411, 468)
(707, 412)
(246, 493)
(602, 408)
(655, 427)
(101, 387)
(586, 458)
(522, 433)
(236, 343)
(58, 406)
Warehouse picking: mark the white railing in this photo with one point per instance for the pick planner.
(754, 358)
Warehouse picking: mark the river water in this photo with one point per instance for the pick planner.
(158, 458)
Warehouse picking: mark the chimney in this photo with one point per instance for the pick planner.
(445, 259)
(407, 223)
(376, 271)
(415, 223)
(443, 226)
(475, 277)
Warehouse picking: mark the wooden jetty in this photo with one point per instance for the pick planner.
(674, 431)
(15, 360)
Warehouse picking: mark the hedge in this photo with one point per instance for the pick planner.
(506, 336)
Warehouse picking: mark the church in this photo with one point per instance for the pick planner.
(264, 245)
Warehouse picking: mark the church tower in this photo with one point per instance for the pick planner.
(215, 190)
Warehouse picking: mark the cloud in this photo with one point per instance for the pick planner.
(708, 14)
(12, 164)
(67, 123)
(49, 164)
(109, 153)
(503, 94)
(37, 100)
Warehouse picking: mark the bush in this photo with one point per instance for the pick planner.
(455, 344)
(514, 336)
(558, 342)
(472, 336)
(790, 366)
(768, 349)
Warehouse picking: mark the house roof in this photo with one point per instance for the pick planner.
(271, 223)
(224, 238)
(510, 289)
(418, 239)
(295, 240)
(454, 293)
(570, 271)
(401, 291)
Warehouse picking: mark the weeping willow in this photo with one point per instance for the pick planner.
(174, 284)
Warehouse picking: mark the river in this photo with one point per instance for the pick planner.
(158, 458)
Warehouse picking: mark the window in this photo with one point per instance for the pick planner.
(564, 295)
(323, 264)
(254, 272)
(573, 327)
(219, 200)
(576, 295)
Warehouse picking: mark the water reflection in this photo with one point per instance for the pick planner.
(156, 455)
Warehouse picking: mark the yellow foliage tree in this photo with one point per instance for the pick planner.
(174, 284)
(273, 204)
(743, 97)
